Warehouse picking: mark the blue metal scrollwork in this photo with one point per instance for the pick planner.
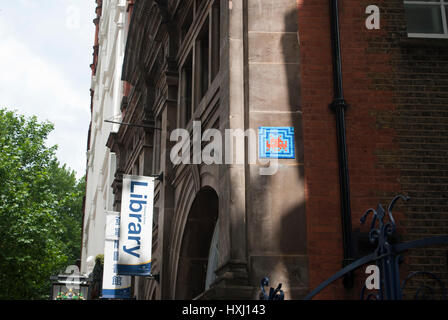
(386, 257)
(387, 261)
(424, 286)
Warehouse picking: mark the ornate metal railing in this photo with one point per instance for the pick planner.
(387, 256)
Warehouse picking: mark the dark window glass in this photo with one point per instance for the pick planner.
(424, 18)
(186, 90)
(202, 62)
(216, 39)
(187, 23)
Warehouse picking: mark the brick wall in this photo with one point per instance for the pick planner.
(397, 131)
(420, 121)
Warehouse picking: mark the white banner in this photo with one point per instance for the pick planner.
(137, 204)
(114, 286)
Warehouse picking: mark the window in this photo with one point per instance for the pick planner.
(188, 20)
(427, 18)
(202, 54)
(216, 39)
(186, 90)
(202, 63)
(157, 146)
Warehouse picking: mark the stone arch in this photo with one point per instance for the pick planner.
(186, 195)
(191, 181)
(209, 177)
(195, 244)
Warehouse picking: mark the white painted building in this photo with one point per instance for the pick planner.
(107, 94)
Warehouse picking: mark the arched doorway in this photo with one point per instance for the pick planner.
(196, 248)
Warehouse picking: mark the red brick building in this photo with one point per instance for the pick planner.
(396, 126)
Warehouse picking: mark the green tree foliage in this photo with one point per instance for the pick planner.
(40, 209)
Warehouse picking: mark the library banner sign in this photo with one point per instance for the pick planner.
(114, 286)
(137, 208)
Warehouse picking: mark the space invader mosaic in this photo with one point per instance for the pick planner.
(276, 142)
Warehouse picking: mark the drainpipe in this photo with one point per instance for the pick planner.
(339, 106)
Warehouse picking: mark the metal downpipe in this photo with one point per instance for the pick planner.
(339, 106)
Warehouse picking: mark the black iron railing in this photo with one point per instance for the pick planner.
(386, 257)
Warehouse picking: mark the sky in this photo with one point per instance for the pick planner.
(45, 54)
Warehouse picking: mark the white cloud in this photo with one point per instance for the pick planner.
(45, 72)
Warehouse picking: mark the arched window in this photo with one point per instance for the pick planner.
(198, 253)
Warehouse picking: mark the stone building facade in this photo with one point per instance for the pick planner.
(219, 228)
(244, 64)
(106, 93)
